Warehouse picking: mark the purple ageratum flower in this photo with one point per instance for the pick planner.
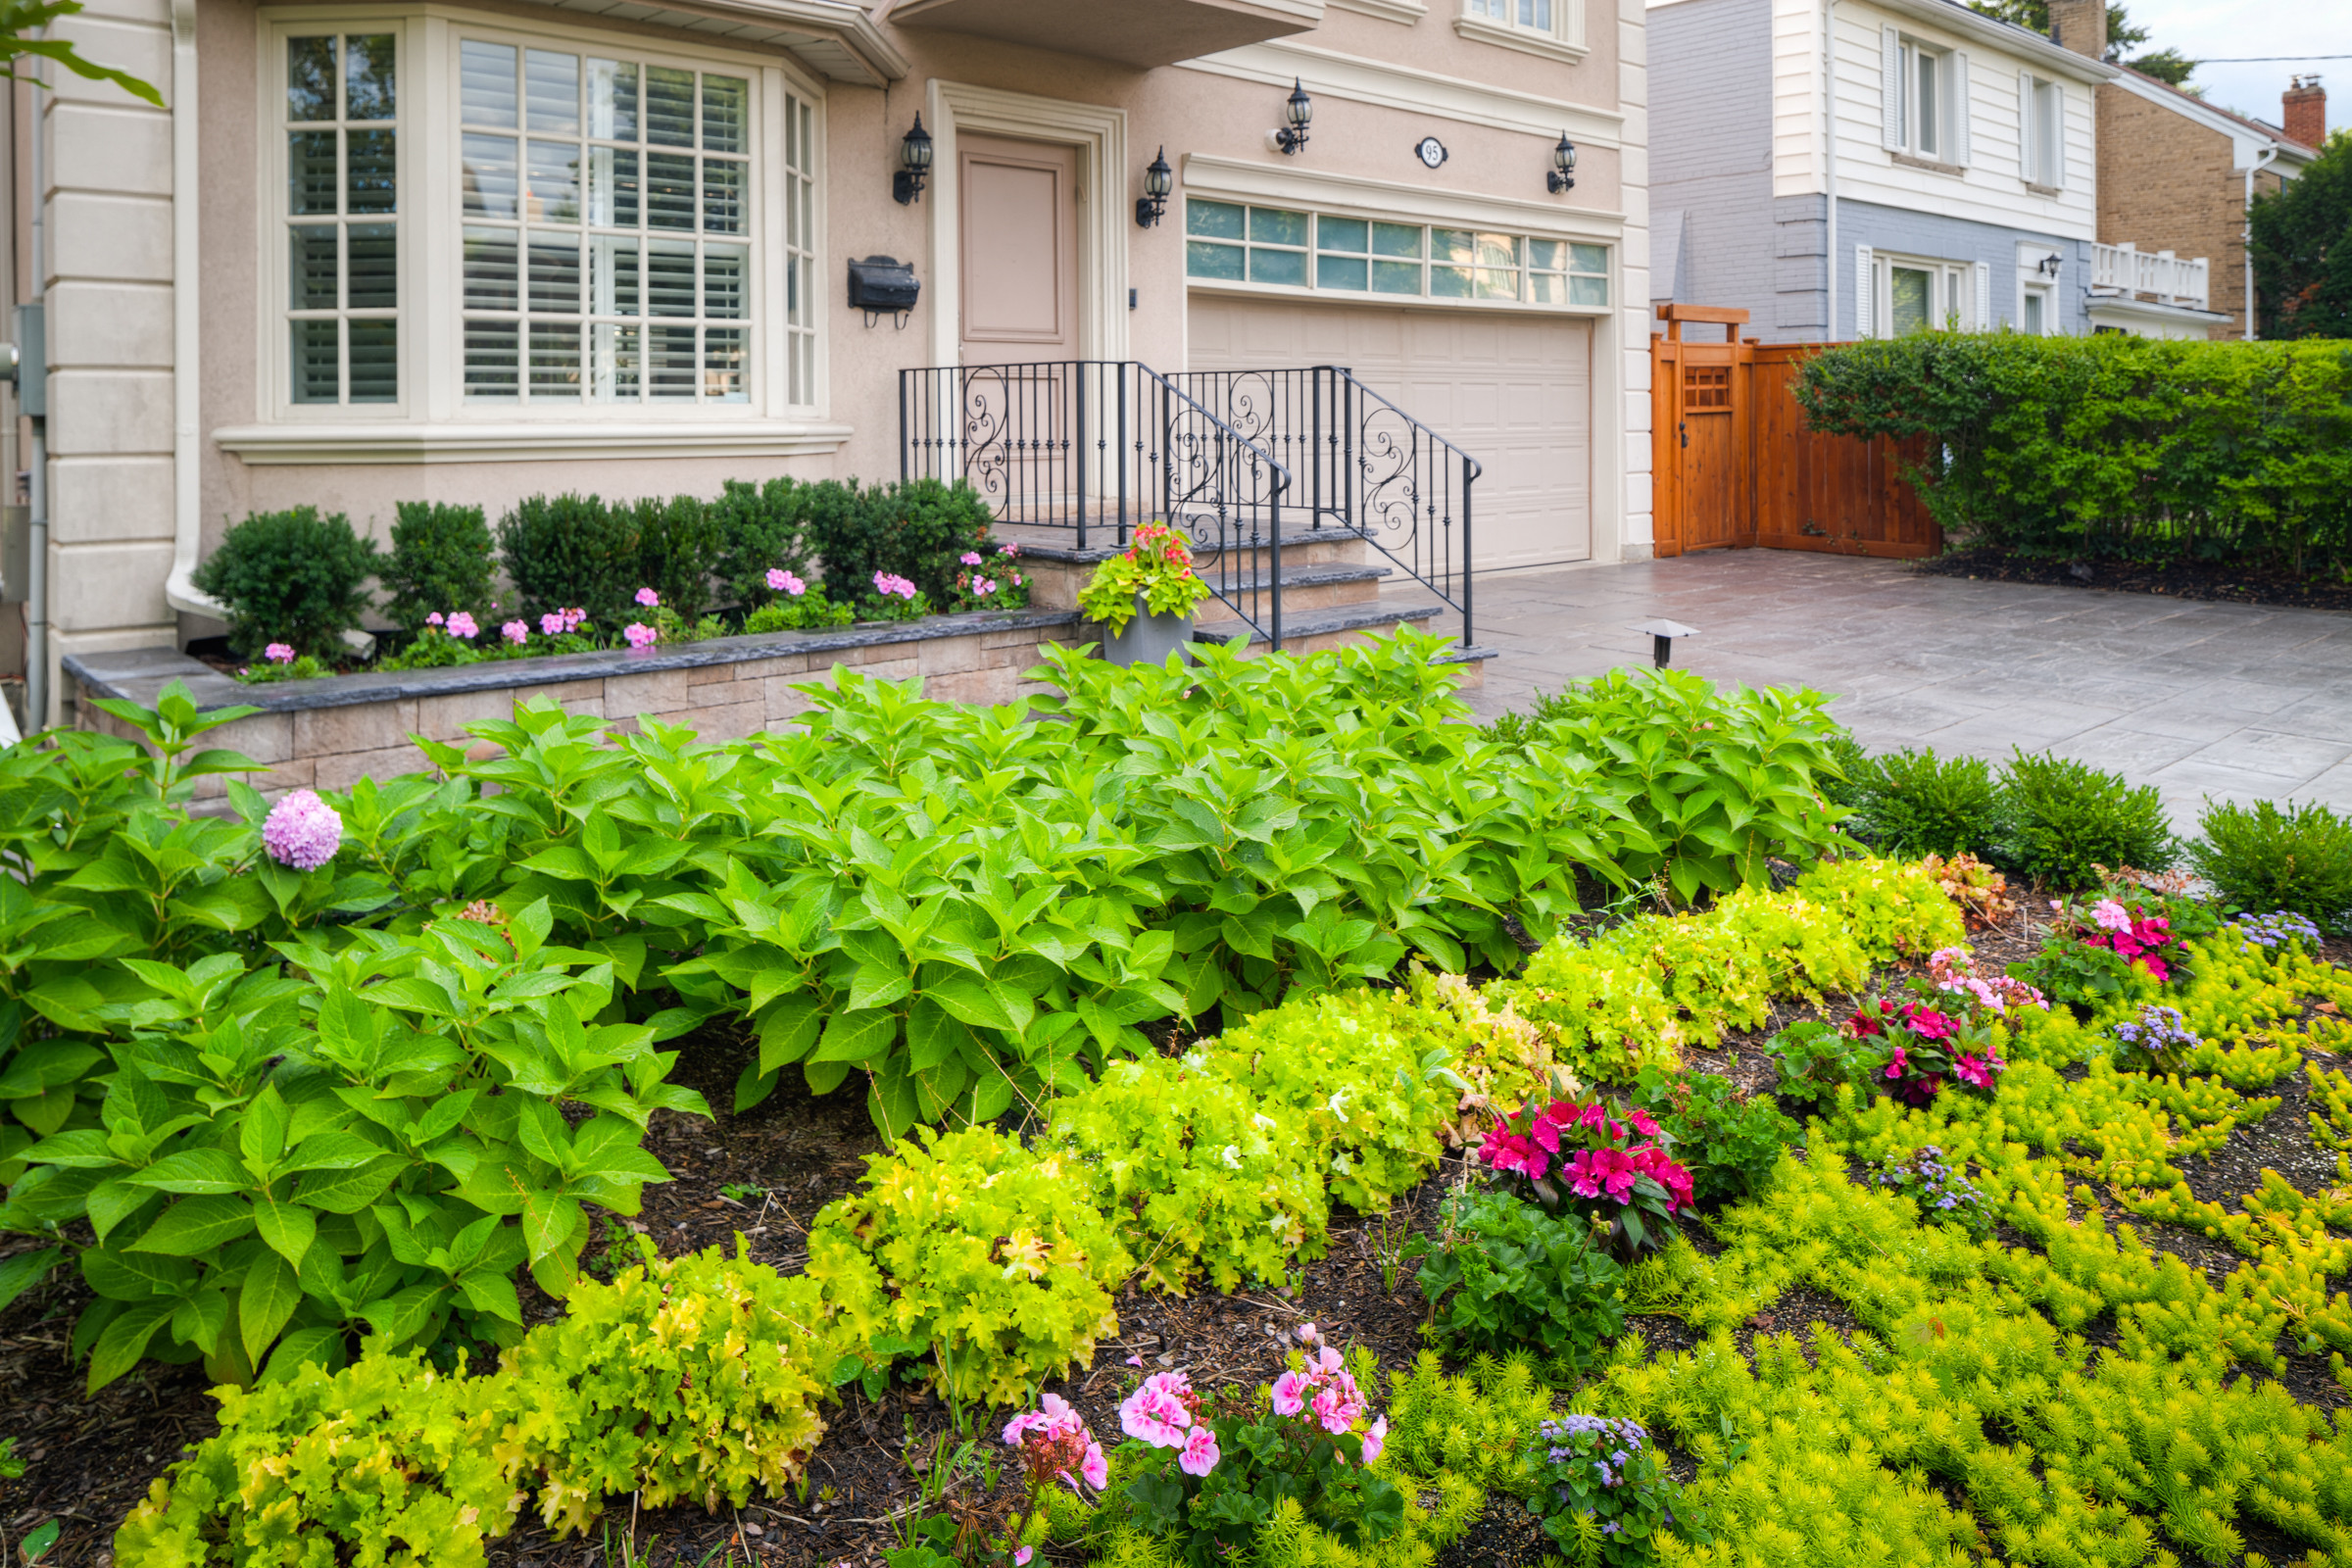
(649, 599)
(461, 624)
(302, 831)
(280, 653)
(641, 635)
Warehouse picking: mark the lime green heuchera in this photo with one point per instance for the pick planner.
(1158, 566)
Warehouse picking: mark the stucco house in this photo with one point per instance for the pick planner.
(1859, 168)
(472, 252)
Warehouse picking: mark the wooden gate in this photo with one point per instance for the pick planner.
(1733, 464)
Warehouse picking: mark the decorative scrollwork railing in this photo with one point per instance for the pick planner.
(1095, 447)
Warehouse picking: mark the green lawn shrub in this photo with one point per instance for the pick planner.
(2111, 445)
(2062, 820)
(2266, 857)
(916, 529)
(293, 578)
(571, 552)
(1917, 803)
(759, 529)
(440, 562)
(1505, 1276)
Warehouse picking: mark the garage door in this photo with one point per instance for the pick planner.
(1513, 391)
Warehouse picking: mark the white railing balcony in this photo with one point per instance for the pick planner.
(2170, 280)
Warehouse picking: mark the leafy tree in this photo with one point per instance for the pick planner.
(2168, 65)
(18, 17)
(2302, 248)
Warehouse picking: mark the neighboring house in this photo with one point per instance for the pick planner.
(1957, 185)
(2174, 176)
(417, 250)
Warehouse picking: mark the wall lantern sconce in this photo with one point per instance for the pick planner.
(2050, 264)
(914, 160)
(1158, 181)
(1562, 174)
(1298, 112)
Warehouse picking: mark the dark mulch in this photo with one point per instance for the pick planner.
(91, 1458)
(2179, 580)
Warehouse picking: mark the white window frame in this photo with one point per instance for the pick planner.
(1936, 63)
(1953, 283)
(1555, 29)
(2041, 132)
(1573, 267)
(431, 413)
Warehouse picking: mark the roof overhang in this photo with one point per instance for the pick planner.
(2020, 42)
(1132, 32)
(2129, 308)
(836, 38)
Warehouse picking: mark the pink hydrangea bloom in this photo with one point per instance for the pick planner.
(461, 624)
(302, 831)
(970, 558)
(1199, 1455)
(516, 633)
(784, 582)
(280, 653)
(649, 599)
(641, 635)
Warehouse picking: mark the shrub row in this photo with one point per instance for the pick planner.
(2112, 445)
(2059, 821)
(300, 578)
(995, 1259)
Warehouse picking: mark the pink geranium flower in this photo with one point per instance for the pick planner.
(516, 633)
(433, 620)
(2111, 915)
(1199, 1455)
(1160, 1412)
(1376, 1439)
(784, 582)
(970, 558)
(280, 653)
(649, 599)
(461, 624)
(640, 635)
(552, 622)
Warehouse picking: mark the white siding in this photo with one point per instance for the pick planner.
(1991, 190)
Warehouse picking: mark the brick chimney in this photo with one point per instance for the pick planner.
(2080, 26)
(2306, 104)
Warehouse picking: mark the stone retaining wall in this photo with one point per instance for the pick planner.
(331, 732)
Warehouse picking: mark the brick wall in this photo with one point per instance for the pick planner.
(1710, 127)
(2167, 183)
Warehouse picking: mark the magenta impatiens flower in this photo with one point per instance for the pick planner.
(461, 624)
(280, 653)
(516, 633)
(302, 831)
(641, 635)
(649, 599)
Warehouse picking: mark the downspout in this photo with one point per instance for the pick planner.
(36, 457)
(2246, 242)
(1829, 153)
(187, 392)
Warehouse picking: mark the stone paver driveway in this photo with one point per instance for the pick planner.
(2231, 700)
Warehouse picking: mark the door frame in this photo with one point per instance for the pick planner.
(1099, 134)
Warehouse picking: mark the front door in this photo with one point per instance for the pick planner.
(1019, 206)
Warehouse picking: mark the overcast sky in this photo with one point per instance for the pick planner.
(2205, 30)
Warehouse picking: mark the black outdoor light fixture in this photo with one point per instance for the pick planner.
(2050, 264)
(1300, 111)
(1661, 634)
(1562, 174)
(1158, 181)
(914, 160)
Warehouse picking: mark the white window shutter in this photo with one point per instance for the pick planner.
(1890, 89)
(2058, 135)
(1960, 108)
(1981, 298)
(1866, 307)
(2029, 167)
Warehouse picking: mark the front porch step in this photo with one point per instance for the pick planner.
(1306, 590)
(1057, 569)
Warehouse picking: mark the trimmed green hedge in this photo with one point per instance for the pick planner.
(2113, 446)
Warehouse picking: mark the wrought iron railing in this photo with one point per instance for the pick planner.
(1094, 447)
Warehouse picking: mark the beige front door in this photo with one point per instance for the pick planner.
(1019, 250)
(1513, 390)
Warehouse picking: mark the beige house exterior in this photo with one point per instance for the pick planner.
(473, 252)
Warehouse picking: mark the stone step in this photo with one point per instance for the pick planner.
(1056, 568)
(1305, 591)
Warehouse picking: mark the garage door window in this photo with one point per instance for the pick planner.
(1228, 242)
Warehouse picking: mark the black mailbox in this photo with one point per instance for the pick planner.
(884, 284)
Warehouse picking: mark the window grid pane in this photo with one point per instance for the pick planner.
(342, 164)
(590, 185)
(1230, 242)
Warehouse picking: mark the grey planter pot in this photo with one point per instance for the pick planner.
(1148, 639)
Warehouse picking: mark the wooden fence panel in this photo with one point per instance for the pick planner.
(1792, 488)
